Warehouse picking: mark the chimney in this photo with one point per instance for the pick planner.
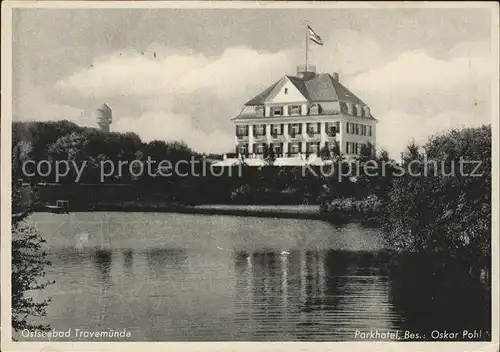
(336, 76)
(306, 73)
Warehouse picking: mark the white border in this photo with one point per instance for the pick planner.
(5, 179)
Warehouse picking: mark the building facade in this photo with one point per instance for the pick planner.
(299, 115)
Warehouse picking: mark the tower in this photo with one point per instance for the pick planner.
(104, 117)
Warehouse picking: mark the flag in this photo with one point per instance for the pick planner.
(314, 37)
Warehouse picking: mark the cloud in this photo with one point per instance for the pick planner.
(184, 95)
(134, 74)
(35, 106)
(416, 95)
(161, 125)
(347, 52)
(181, 96)
(398, 128)
(418, 72)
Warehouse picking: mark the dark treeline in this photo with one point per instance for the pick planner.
(55, 141)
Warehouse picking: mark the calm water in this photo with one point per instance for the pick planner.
(172, 277)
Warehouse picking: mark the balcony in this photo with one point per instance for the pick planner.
(278, 138)
(313, 134)
(295, 136)
(259, 137)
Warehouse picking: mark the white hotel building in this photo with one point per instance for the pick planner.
(298, 115)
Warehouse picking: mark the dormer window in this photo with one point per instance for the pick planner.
(359, 110)
(367, 111)
(259, 111)
(294, 110)
(314, 109)
(343, 108)
(277, 111)
(350, 109)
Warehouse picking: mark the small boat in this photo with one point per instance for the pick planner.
(61, 207)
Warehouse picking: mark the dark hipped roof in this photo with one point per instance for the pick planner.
(322, 87)
(260, 98)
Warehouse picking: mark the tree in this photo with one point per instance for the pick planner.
(269, 155)
(443, 213)
(324, 153)
(28, 266)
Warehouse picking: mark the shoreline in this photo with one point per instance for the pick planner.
(310, 212)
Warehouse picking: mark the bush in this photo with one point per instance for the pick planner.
(369, 205)
(445, 215)
(28, 266)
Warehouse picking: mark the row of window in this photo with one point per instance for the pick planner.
(358, 129)
(292, 110)
(355, 109)
(293, 129)
(293, 148)
(353, 147)
(314, 109)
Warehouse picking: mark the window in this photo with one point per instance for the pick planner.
(294, 109)
(367, 111)
(350, 128)
(349, 108)
(286, 90)
(347, 147)
(241, 130)
(259, 110)
(276, 130)
(243, 149)
(332, 130)
(295, 129)
(259, 130)
(277, 111)
(363, 130)
(370, 131)
(295, 148)
(313, 148)
(277, 148)
(343, 108)
(312, 128)
(314, 109)
(259, 149)
(357, 128)
(337, 126)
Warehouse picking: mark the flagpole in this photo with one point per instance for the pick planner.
(307, 45)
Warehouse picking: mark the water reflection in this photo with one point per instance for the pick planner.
(310, 294)
(102, 261)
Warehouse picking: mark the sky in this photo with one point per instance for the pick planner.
(422, 71)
